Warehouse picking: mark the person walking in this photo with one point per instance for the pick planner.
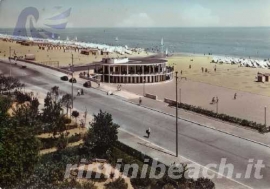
(235, 96)
(79, 92)
(140, 101)
(213, 100)
(148, 132)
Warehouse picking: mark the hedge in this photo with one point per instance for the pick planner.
(134, 153)
(251, 124)
(51, 142)
(68, 127)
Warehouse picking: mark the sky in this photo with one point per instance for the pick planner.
(143, 13)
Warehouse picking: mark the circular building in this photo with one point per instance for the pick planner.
(123, 70)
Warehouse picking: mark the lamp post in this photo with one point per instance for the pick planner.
(176, 121)
(144, 87)
(71, 69)
(180, 96)
(265, 115)
(10, 61)
(85, 116)
(217, 105)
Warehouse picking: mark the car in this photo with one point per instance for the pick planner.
(73, 80)
(87, 84)
(64, 78)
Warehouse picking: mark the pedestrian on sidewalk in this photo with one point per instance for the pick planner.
(140, 101)
(148, 132)
(79, 92)
(213, 100)
(235, 96)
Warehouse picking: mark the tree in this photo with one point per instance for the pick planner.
(102, 135)
(5, 104)
(22, 97)
(9, 83)
(117, 184)
(55, 92)
(66, 101)
(203, 183)
(168, 186)
(52, 117)
(74, 184)
(75, 114)
(19, 154)
(27, 115)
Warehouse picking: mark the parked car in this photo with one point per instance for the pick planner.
(73, 80)
(87, 84)
(64, 78)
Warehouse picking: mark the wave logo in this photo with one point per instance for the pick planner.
(42, 24)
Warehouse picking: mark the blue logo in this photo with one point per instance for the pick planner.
(31, 24)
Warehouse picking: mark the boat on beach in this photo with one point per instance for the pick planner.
(252, 63)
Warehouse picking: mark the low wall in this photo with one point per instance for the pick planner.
(170, 102)
(154, 97)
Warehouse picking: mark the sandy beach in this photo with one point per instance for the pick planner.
(64, 58)
(226, 75)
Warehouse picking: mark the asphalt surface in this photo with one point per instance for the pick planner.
(199, 144)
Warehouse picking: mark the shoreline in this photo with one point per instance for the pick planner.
(123, 48)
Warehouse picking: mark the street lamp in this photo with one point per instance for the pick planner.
(180, 96)
(144, 87)
(72, 72)
(265, 115)
(10, 49)
(176, 122)
(217, 105)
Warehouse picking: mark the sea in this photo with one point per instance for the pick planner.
(236, 42)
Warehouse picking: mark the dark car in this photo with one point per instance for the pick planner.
(64, 78)
(73, 80)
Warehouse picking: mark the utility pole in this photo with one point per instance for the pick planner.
(72, 80)
(180, 96)
(217, 105)
(265, 115)
(176, 123)
(85, 116)
(10, 61)
(144, 87)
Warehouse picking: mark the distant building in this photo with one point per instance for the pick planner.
(123, 70)
(90, 51)
(30, 57)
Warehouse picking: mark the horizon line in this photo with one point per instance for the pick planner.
(154, 27)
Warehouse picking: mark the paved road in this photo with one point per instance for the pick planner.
(196, 143)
